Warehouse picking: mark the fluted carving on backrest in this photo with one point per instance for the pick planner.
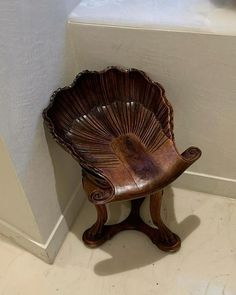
(93, 89)
(92, 134)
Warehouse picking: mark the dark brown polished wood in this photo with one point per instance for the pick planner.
(119, 125)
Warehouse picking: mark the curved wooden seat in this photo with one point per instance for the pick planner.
(125, 142)
(118, 124)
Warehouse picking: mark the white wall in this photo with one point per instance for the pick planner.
(199, 74)
(35, 59)
(14, 207)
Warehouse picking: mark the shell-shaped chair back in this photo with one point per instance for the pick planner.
(118, 124)
(93, 89)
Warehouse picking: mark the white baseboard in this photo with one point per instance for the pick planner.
(49, 250)
(207, 183)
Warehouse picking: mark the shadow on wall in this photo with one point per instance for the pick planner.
(227, 4)
(132, 251)
(67, 172)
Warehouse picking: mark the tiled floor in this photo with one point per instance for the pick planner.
(130, 263)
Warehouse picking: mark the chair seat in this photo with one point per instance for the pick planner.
(143, 174)
(128, 148)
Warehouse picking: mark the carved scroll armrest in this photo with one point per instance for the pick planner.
(191, 154)
(99, 190)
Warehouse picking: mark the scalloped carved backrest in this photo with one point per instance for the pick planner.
(91, 90)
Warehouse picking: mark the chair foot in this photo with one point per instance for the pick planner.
(99, 233)
(94, 236)
(167, 240)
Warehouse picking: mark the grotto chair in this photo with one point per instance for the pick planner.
(118, 125)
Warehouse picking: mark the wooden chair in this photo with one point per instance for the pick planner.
(118, 125)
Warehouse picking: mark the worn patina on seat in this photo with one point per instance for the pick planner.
(118, 125)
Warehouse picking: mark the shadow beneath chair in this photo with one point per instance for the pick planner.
(131, 249)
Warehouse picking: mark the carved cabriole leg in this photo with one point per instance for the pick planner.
(99, 232)
(166, 239)
(162, 237)
(94, 236)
